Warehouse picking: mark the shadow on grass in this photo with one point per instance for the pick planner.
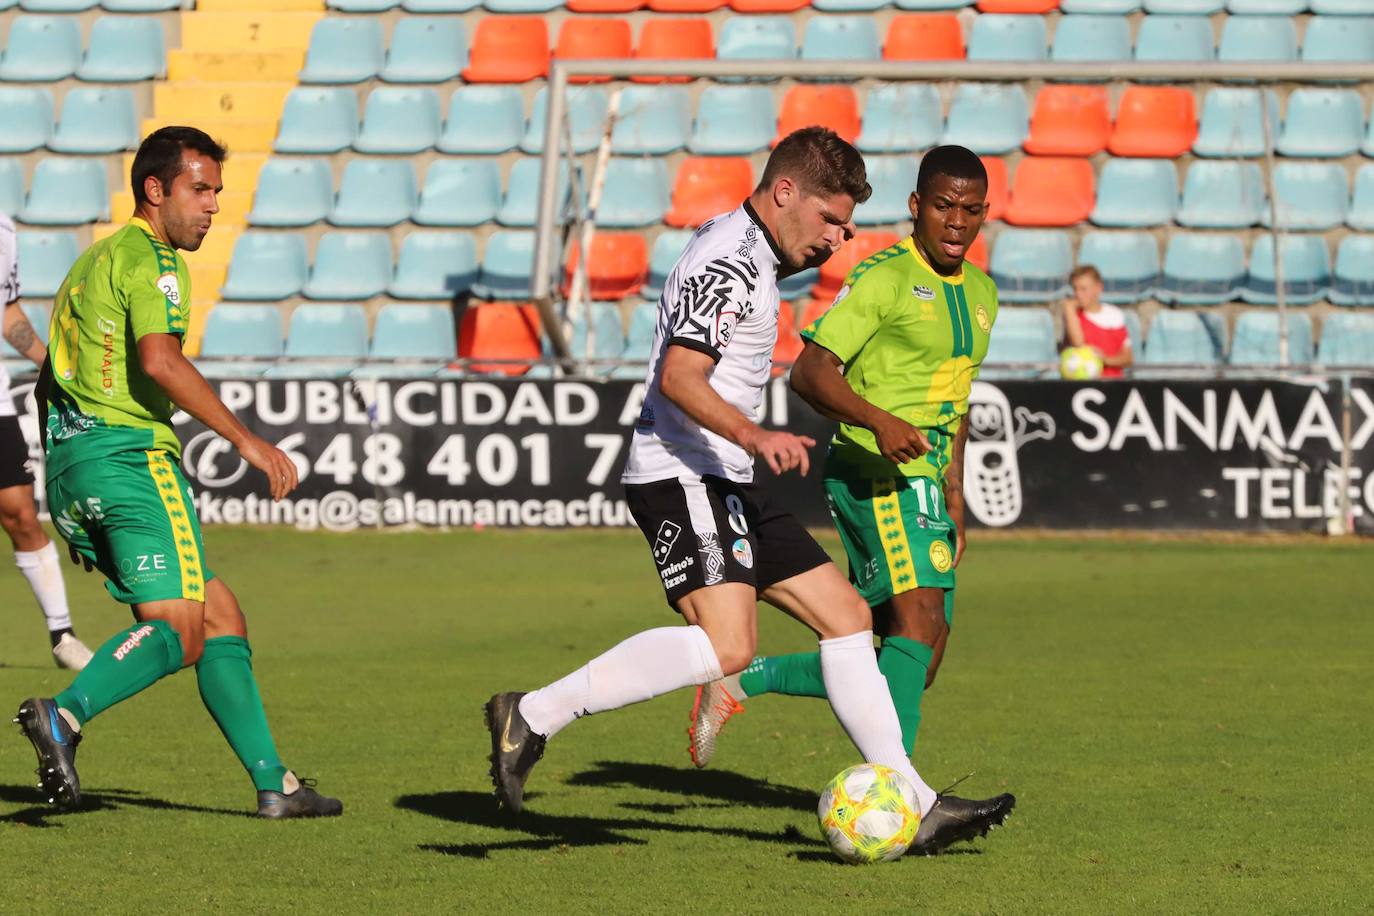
(720, 785)
(40, 815)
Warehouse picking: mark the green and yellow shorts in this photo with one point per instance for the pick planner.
(897, 535)
(131, 515)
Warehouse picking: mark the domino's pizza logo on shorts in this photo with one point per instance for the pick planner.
(664, 541)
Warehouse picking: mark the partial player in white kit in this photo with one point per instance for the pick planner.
(34, 553)
(719, 541)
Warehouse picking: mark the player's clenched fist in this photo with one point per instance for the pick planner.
(783, 451)
(281, 473)
(899, 441)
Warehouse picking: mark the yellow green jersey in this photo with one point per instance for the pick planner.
(912, 342)
(100, 401)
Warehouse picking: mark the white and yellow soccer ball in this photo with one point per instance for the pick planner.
(869, 813)
(1080, 364)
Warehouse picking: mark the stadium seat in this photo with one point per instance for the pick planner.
(789, 343)
(1017, 7)
(267, 266)
(141, 6)
(67, 192)
(1180, 339)
(840, 38)
(344, 50)
(1008, 37)
(1096, 38)
(734, 121)
(499, 337)
(1174, 38)
(618, 265)
(1222, 195)
(901, 118)
(56, 6)
(1353, 282)
(799, 284)
(1195, 8)
(327, 331)
(426, 49)
(929, 36)
(592, 38)
(634, 194)
(1266, 7)
(1051, 191)
(11, 186)
(1306, 270)
(245, 332)
(1258, 38)
(757, 38)
(375, 192)
(362, 6)
(459, 192)
(1099, 7)
(508, 49)
(1343, 7)
(1128, 262)
(1233, 124)
(1202, 269)
(1154, 121)
(414, 332)
(586, 109)
(706, 187)
(836, 269)
(434, 265)
(483, 120)
(668, 247)
(1361, 212)
(639, 340)
(507, 265)
(685, 6)
(95, 120)
(520, 205)
(41, 49)
(124, 49)
(1136, 192)
(1309, 195)
(44, 259)
(990, 119)
(1322, 123)
(1031, 265)
(399, 121)
(835, 107)
(318, 119)
(893, 178)
(999, 186)
(27, 113)
(1255, 341)
(792, 6)
(350, 265)
(674, 39)
(930, 5)
(604, 6)
(1347, 340)
(1024, 335)
(653, 121)
(1069, 121)
(292, 192)
(1338, 39)
(439, 6)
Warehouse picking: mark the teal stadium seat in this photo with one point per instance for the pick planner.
(350, 265)
(520, 205)
(1322, 123)
(1095, 38)
(901, 118)
(41, 49)
(1202, 269)
(1099, 7)
(893, 179)
(459, 192)
(399, 121)
(522, 6)
(1343, 7)
(799, 284)
(1353, 283)
(318, 331)
(1031, 265)
(1222, 195)
(997, 36)
(757, 38)
(1183, 7)
(124, 49)
(848, 6)
(1265, 7)
(44, 259)
(141, 6)
(1024, 335)
(924, 5)
(483, 120)
(841, 38)
(653, 121)
(439, 6)
(1180, 339)
(1255, 341)
(1174, 38)
(56, 6)
(586, 108)
(374, 193)
(1128, 262)
(267, 266)
(426, 49)
(96, 120)
(434, 265)
(734, 121)
(668, 247)
(27, 113)
(639, 340)
(67, 192)
(362, 6)
(318, 119)
(1306, 270)
(292, 192)
(243, 332)
(507, 265)
(344, 50)
(635, 193)
(1232, 123)
(1361, 212)
(1258, 38)
(1136, 192)
(422, 332)
(1309, 195)
(11, 186)
(1347, 340)
(990, 119)
(606, 342)
(1338, 39)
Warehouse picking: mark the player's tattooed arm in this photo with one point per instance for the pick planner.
(954, 488)
(21, 335)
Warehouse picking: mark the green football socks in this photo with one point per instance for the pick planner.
(128, 662)
(797, 675)
(229, 691)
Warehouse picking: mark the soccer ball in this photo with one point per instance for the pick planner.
(1080, 364)
(869, 813)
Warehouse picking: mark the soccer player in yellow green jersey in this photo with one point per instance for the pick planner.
(114, 376)
(893, 360)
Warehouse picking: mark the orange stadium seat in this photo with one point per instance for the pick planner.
(674, 39)
(707, 186)
(1051, 191)
(814, 309)
(499, 331)
(685, 6)
(930, 36)
(789, 345)
(768, 6)
(835, 107)
(605, 6)
(1033, 7)
(618, 265)
(1069, 121)
(834, 271)
(509, 49)
(1154, 121)
(997, 186)
(978, 252)
(593, 38)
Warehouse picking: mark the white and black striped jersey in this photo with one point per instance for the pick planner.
(9, 292)
(721, 299)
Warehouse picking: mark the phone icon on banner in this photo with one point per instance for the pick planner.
(992, 477)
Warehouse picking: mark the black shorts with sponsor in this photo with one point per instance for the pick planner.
(713, 530)
(14, 454)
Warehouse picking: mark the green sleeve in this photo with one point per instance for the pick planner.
(853, 318)
(154, 295)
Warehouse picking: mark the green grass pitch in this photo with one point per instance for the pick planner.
(1186, 724)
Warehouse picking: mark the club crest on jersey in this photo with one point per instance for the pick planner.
(923, 292)
(743, 553)
(981, 316)
(940, 557)
(168, 284)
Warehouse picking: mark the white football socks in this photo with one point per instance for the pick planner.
(43, 569)
(859, 695)
(644, 666)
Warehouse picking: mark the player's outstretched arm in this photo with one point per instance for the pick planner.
(161, 358)
(818, 378)
(21, 335)
(685, 380)
(954, 488)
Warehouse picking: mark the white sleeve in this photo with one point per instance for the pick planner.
(9, 266)
(711, 303)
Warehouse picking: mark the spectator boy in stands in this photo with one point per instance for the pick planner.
(1090, 322)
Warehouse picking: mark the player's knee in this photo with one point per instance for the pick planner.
(735, 658)
(223, 616)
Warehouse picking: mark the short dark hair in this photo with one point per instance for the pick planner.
(954, 161)
(159, 156)
(821, 162)
(1085, 270)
